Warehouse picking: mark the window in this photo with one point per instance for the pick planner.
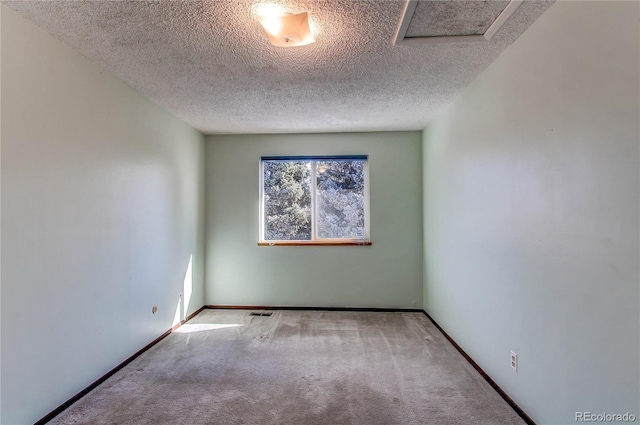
(322, 200)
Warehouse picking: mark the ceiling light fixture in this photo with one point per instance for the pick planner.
(288, 30)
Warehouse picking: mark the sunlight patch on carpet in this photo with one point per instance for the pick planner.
(199, 327)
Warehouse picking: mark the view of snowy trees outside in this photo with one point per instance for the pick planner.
(339, 199)
(287, 200)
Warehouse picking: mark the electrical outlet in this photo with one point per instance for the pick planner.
(514, 361)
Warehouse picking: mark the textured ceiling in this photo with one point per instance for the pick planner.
(210, 63)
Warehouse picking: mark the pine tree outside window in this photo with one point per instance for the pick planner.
(322, 200)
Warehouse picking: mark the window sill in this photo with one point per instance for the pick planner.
(313, 243)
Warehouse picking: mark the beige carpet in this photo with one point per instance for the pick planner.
(297, 367)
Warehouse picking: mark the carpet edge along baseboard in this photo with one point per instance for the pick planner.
(55, 412)
(484, 374)
(295, 308)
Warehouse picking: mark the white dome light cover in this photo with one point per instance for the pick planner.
(288, 30)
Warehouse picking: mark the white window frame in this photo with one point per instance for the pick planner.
(315, 240)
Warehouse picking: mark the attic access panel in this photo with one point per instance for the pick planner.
(452, 21)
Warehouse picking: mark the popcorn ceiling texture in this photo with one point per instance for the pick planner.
(210, 63)
(441, 18)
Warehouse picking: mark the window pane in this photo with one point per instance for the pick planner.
(287, 200)
(340, 199)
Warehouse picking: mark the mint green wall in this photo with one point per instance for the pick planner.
(386, 274)
(102, 209)
(531, 183)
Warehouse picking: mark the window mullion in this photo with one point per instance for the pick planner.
(314, 235)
